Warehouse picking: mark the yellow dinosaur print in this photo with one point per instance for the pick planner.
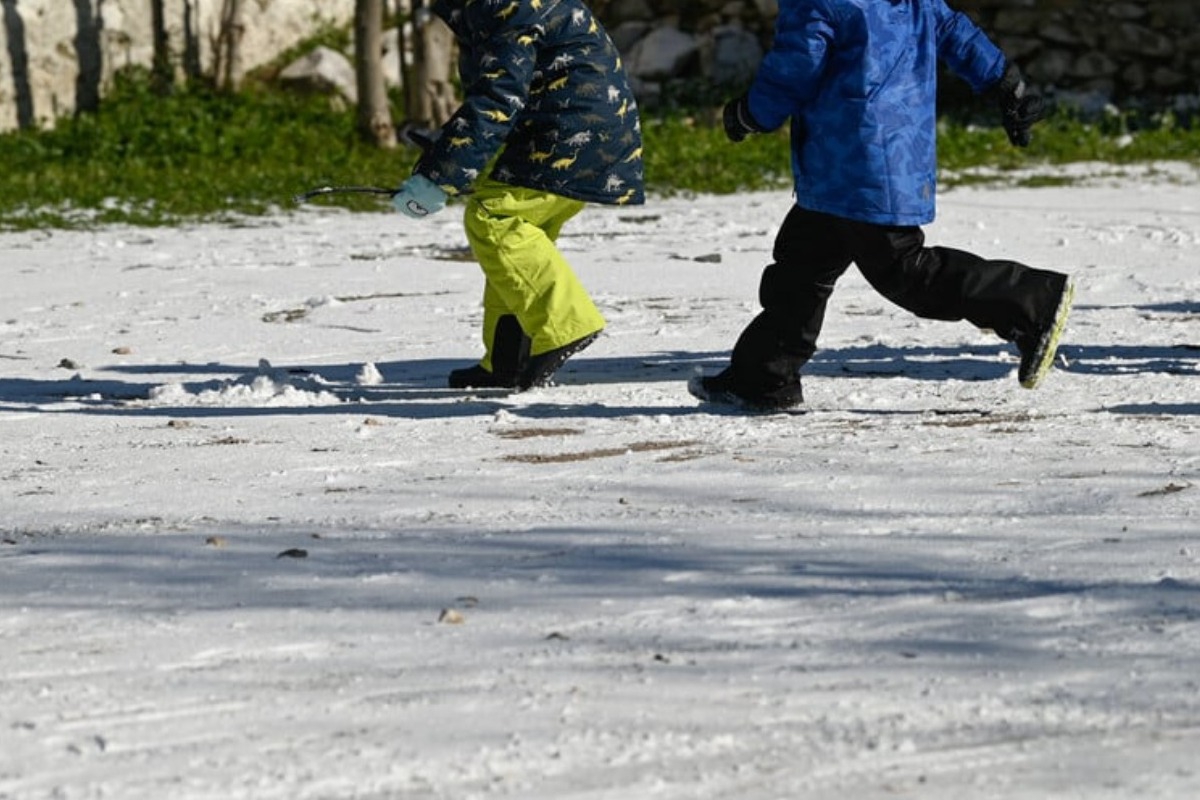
(564, 163)
(568, 68)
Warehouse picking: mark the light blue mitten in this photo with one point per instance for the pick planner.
(419, 197)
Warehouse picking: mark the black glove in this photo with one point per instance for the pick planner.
(1020, 110)
(739, 122)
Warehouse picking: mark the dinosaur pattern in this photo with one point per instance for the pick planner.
(546, 103)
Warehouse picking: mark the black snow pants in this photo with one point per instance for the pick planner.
(813, 250)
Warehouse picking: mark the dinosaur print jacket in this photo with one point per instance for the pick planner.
(546, 104)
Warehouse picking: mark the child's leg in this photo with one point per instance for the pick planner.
(1007, 297)
(794, 292)
(1022, 304)
(506, 347)
(512, 231)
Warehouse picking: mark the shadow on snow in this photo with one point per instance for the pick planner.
(417, 389)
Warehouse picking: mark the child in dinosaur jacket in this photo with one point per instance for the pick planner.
(548, 124)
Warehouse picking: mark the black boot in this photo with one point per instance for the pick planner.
(541, 368)
(510, 355)
(1039, 347)
(724, 388)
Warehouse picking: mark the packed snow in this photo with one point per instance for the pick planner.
(252, 547)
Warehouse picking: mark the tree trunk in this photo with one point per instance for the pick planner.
(162, 74)
(18, 53)
(88, 51)
(374, 116)
(412, 72)
(429, 91)
(228, 69)
(402, 54)
(191, 41)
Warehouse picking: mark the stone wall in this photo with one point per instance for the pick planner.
(1132, 52)
(1135, 52)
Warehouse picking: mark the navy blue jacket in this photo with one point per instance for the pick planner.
(546, 96)
(858, 79)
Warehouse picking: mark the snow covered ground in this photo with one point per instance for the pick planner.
(253, 548)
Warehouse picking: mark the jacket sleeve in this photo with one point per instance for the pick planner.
(497, 65)
(789, 74)
(967, 50)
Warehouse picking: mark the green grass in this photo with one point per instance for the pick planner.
(152, 160)
(1064, 138)
(686, 154)
(197, 154)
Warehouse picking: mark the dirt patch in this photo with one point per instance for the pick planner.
(605, 452)
(537, 433)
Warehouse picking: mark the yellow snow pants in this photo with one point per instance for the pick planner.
(512, 232)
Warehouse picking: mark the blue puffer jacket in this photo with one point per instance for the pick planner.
(858, 78)
(545, 89)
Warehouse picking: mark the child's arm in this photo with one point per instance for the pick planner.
(499, 64)
(966, 49)
(789, 74)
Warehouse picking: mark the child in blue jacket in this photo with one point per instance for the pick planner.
(548, 124)
(858, 80)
